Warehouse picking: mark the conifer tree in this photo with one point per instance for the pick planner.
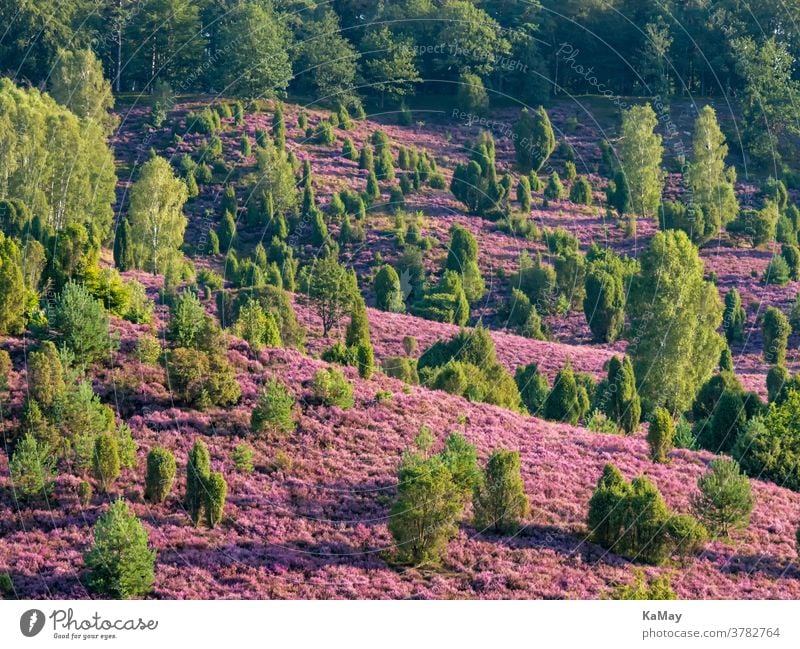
(198, 469)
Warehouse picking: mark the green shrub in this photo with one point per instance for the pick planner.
(777, 271)
(202, 380)
(777, 377)
(120, 563)
(424, 515)
(160, 474)
(567, 401)
(214, 495)
(274, 412)
(105, 460)
(332, 388)
(533, 387)
(687, 535)
(629, 518)
(147, 349)
(734, 316)
(725, 500)
(198, 470)
(500, 502)
(555, 189)
(776, 331)
(660, 434)
(85, 493)
(242, 457)
(32, 468)
(323, 134)
(581, 191)
(659, 589)
(401, 367)
(598, 422)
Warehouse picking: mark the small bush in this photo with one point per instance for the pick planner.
(659, 589)
(687, 535)
(323, 134)
(332, 388)
(777, 271)
(160, 474)
(32, 468)
(274, 413)
(214, 496)
(242, 457)
(198, 469)
(147, 349)
(660, 435)
(85, 493)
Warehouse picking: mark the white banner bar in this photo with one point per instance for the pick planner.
(370, 624)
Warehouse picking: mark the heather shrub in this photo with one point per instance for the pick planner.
(242, 458)
(160, 474)
(105, 460)
(32, 468)
(776, 331)
(214, 495)
(332, 388)
(424, 515)
(725, 500)
(120, 563)
(274, 412)
(660, 434)
(198, 469)
(500, 502)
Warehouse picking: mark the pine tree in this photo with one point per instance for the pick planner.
(32, 467)
(274, 412)
(120, 563)
(198, 469)
(725, 500)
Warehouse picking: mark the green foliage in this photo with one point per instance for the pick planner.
(660, 435)
(123, 245)
(555, 190)
(46, 383)
(524, 194)
(533, 387)
(201, 379)
(500, 502)
(274, 412)
(215, 493)
(524, 317)
(424, 515)
(82, 324)
(641, 151)
(675, 314)
(776, 330)
(733, 317)
(32, 468)
(618, 397)
(198, 470)
(323, 134)
(777, 271)
(402, 368)
(332, 388)
(604, 304)
(156, 215)
(462, 258)
(534, 139)
(709, 394)
(725, 500)
(331, 290)
(258, 328)
(471, 95)
(105, 460)
(598, 422)
(659, 588)
(85, 493)
(769, 447)
(388, 291)
(629, 518)
(242, 458)
(160, 474)
(581, 191)
(777, 377)
(120, 563)
(187, 320)
(567, 400)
